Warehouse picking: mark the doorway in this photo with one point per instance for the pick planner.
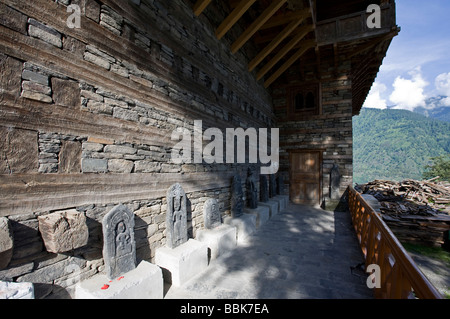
(306, 177)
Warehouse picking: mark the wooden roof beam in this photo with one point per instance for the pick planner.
(285, 50)
(257, 24)
(200, 6)
(275, 43)
(233, 17)
(283, 19)
(305, 47)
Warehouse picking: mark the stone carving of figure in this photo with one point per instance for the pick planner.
(264, 190)
(119, 248)
(280, 186)
(123, 240)
(211, 214)
(335, 182)
(237, 202)
(252, 190)
(272, 186)
(176, 219)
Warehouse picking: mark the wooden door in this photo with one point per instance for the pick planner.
(305, 177)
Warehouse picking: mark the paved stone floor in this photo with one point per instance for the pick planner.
(302, 253)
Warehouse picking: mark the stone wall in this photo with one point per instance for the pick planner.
(87, 114)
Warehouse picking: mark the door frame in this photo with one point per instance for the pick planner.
(320, 151)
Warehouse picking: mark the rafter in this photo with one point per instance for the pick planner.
(275, 43)
(200, 6)
(285, 50)
(233, 17)
(285, 18)
(305, 47)
(257, 24)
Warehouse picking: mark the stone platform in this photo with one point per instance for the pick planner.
(219, 240)
(144, 282)
(245, 226)
(183, 262)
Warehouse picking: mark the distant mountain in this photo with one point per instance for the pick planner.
(396, 144)
(436, 108)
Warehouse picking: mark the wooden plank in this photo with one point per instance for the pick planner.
(285, 50)
(233, 17)
(46, 192)
(275, 43)
(288, 63)
(257, 24)
(200, 6)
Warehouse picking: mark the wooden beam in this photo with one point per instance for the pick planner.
(275, 43)
(201, 5)
(307, 45)
(283, 19)
(233, 17)
(285, 50)
(257, 24)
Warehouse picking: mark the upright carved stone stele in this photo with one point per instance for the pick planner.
(252, 190)
(237, 202)
(119, 247)
(211, 214)
(264, 189)
(335, 182)
(272, 186)
(176, 218)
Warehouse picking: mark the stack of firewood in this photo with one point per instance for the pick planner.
(416, 211)
(411, 196)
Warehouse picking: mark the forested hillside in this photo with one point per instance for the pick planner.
(396, 144)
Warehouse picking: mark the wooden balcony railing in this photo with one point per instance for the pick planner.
(400, 276)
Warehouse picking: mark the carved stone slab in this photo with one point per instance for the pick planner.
(211, 214)
(263, 189)
(176, 218)
(63, 231)
(119, 247)
(237, 202)
(272, 186)
(252, 190)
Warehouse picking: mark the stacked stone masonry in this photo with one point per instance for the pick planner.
(81, 106)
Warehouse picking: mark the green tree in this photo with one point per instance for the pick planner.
(440, 167)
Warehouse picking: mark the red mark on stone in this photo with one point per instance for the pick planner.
(105, 287)
(120, 278)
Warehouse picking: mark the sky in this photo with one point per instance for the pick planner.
(417, 64)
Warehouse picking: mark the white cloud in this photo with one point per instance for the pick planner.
(374, 99)
(442, 83)
(409, 93)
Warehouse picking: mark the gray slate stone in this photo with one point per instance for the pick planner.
(6, 243)
(176, 217)
(119, 246)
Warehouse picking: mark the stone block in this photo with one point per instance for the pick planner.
(144, 282)
(14, 290)
(70, 157)
(36, 96)
(63, 231)
(6, 243)
(18, 151)
(262, 214)
(120, 166)
(66, 93)
(91, 165)
(273, 207)
(219, 240)
(245, 226)
(46, 34)
(281, 202)
(92, 9)
(35, 77)
(10, 74)
(183, 262)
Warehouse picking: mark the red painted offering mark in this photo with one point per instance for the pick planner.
(105, 287)
(120, 278)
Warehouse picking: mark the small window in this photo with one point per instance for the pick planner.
(299, 102)
(310, 100)
(304, 100)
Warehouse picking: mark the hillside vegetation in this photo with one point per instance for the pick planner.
(396, 144)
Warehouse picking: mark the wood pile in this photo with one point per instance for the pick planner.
(416, 211)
